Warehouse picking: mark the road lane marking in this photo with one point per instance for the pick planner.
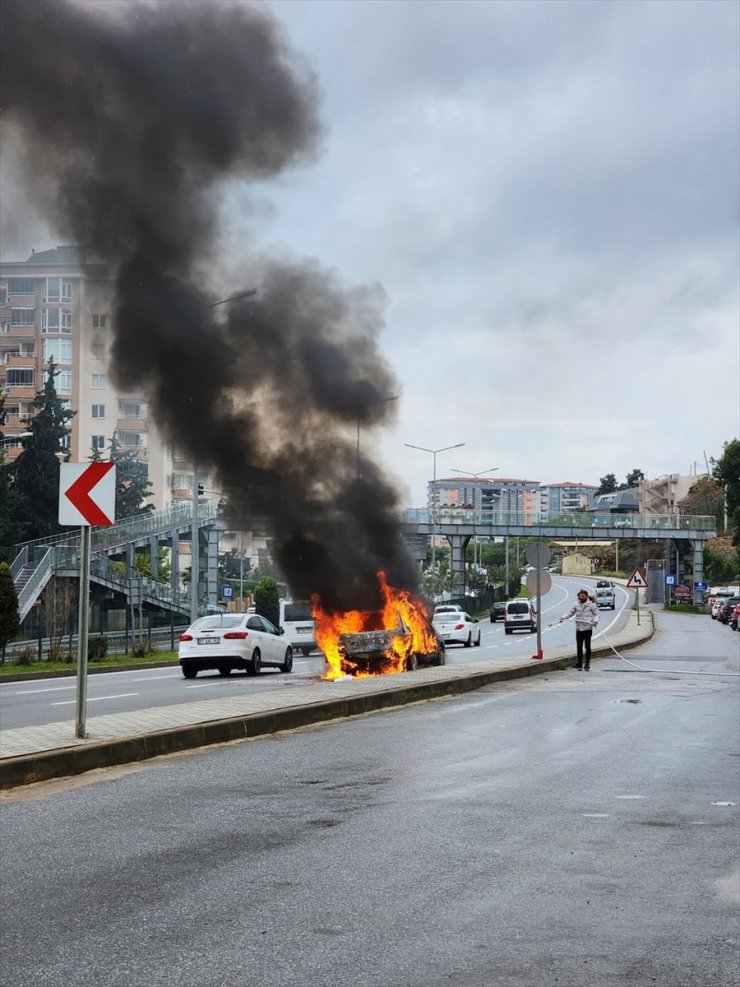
(95, 699)
(34, 692)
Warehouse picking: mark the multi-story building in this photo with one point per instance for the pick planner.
(501, 494)
(58, 305)
(565, 498)
(663, 494)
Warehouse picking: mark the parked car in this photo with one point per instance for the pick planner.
(457, 628)
(719, 601)
(520, 615)
(735, 617)
(227, 641)
(605, 599)
(498, 611)
(723, 614)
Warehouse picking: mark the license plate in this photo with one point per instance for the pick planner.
(208, 640)
(303, 630)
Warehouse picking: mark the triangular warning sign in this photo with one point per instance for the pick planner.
(637, 580)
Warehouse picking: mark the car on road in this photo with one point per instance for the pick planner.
(520, 615)
(447, 608)
(724, 612)
(457, 628)
(296, 620)
(228, 641)
(719, 602)
(604, 584)
(605, 599)
(498, 611)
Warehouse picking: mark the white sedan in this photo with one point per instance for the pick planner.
(227, 641)
(457, 627)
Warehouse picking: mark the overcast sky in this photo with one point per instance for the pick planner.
(548, 194)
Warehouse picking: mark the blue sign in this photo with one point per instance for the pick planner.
(701, 587)
(227, 591)
(670, 580)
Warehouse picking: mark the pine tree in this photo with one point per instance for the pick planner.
(132, 483)
(9, 621)
(36, 470)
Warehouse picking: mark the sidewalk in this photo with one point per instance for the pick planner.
(39, 753)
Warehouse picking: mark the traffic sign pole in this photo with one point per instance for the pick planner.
(82, 631)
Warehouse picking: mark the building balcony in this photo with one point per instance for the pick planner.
(19, 360)
(9, 331)
(133, 423)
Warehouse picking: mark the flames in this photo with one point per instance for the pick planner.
(399, 605)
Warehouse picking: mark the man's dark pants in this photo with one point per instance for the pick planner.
(583, 638)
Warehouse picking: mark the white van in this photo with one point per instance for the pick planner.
(520, 615)
(297, 621)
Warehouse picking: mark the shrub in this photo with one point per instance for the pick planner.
(25, 656)
(97, 648)
(267, 599)
(140, 649)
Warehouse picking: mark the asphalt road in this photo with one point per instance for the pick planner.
(37, 703)
(565, 829)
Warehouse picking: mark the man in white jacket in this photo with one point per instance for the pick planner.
(587, 617)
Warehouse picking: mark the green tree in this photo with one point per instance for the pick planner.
(267, 599)
(133, 486)
(9, 619)
(36, 470)
(11, 527)
(726, 472)
(721, 562)
(632, 480)
(607, 484)
(706, 497)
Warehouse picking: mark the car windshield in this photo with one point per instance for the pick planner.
(449, 617)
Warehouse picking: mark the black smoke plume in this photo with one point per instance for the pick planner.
(132, 118)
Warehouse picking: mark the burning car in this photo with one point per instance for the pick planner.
(396, 638)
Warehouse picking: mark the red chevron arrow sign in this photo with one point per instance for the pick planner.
(87, 493)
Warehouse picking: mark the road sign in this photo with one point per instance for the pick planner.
(701, 587)
(637, 580)
(227, 591)
(670, 579)
(87, 493)
(538, 554)
(545, 582)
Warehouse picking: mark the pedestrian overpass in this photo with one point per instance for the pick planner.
(684, 535)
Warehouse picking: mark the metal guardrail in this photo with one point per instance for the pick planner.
(18, 562)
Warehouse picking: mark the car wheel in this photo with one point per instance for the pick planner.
(469, 640)
(411, 663)
(224, 670)
(477, 643)
(614, 606)
(439, 658)
(507, 630)
(189, 673)
(287, 665)
(306, 652)
(254, 666)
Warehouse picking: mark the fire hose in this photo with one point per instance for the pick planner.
(642, 668)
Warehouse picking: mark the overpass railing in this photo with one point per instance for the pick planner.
(586, 521)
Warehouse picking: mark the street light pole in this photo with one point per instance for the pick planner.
(434, 452)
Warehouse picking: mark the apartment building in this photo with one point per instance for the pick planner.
(502, 494)
(57, 305)
(566, 498)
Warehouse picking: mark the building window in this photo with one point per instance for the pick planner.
(98, 381)
(98, 411)
(58, 350)
(3, 295)
(58, 290)
(98, 351)
(22, 316)
(21, 286)
(64, 382)
(98, 320)
(98, 441)
(19, 377)
(57, 320)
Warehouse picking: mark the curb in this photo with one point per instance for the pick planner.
(91, 670)
(45, 765)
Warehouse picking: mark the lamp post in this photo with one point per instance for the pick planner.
(475, 476)
(194, 547)
(363, 407)
(458, 445)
